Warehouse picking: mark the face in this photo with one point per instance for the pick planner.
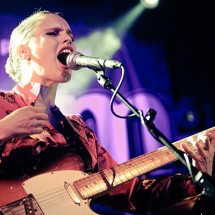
(52, 36)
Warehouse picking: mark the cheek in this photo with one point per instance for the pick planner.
(41, 48)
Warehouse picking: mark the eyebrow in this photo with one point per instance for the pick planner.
(60, 29)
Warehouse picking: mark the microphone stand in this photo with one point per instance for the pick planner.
(206, 182)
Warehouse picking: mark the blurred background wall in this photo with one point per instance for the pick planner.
(168, 55)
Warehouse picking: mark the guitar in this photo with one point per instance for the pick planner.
(69, 191)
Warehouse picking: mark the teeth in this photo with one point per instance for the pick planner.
(66, 51)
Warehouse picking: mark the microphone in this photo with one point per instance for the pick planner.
(76, 61)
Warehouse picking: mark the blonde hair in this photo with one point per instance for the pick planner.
(22, 35)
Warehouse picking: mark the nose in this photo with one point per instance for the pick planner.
(67, 39)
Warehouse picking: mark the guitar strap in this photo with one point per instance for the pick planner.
(72, 136)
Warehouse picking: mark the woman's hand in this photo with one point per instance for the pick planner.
(22, 122)
(202, 150)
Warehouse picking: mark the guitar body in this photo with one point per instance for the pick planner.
(11, 190)
(66, 192)
(54, 193)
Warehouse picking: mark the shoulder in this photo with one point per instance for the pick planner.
(9, 96)
(9, 101)
(6, 97)
(3, 94)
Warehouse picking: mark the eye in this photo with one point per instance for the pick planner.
(53, 33)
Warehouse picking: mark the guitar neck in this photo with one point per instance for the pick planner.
(108, 179)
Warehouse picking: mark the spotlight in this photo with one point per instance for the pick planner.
(149, 3)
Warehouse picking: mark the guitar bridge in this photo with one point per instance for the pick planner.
(25, 206)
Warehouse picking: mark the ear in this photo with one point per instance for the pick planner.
(24, 53)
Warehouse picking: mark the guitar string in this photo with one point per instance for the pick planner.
(50, 196)
(150, 157)
(164, 151)
(46, 198)
(82, 181)
(55, 194)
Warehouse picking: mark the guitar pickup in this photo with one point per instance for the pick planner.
(72, 193)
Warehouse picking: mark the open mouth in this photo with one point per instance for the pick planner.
(62, 56)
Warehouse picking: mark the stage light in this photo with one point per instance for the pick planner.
(124, 23)
(149, 3)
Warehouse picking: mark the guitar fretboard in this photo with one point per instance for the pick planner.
(108, 179)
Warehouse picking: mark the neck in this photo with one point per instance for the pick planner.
(46, 97)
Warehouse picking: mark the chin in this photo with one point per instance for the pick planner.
(67, 77)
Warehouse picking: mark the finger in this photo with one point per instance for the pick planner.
(201, 149)
(39, 109)
(40, 123)
(190, 143)
(211, 135)
(203, 141)
(36, 130)
(41, 116)
(33, 112)
(37, 123)
(32, 108)
(36, 127)
(211, 142)
(194, 154)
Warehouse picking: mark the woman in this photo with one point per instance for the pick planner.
(66, 143)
